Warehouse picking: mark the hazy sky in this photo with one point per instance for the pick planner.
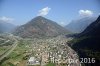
(61, 11)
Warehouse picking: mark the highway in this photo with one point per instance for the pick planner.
(10, 50)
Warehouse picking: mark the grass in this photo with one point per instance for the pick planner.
(76, 40)
(51, 64)
(17, 55)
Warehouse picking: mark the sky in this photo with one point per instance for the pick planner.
(19, 12)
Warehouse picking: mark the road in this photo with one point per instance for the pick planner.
(5, 42)
(7, 53)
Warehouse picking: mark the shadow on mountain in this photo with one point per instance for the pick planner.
(87, 43)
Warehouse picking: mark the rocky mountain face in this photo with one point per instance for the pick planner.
(6, 27)
(88, 43)
(40, 27)
(79, 25)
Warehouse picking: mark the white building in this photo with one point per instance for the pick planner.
(33, 61)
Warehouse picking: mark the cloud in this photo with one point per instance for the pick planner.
(62, 23)
(44, 11)
(6, 19)
(85, 13)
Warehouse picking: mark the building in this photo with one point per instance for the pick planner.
(33, 61)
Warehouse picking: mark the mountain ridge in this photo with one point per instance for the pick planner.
(79, 25)
(6, 27)
(40, 27)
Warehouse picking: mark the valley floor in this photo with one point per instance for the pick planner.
(42, 52)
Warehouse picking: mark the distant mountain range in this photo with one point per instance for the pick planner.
(87, 43)
(6, 27)
(40, 27)
(79, 25)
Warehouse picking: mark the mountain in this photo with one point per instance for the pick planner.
(40, 27)
(93, 29)
(87, 43)
(6, 27)
(77, 26)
